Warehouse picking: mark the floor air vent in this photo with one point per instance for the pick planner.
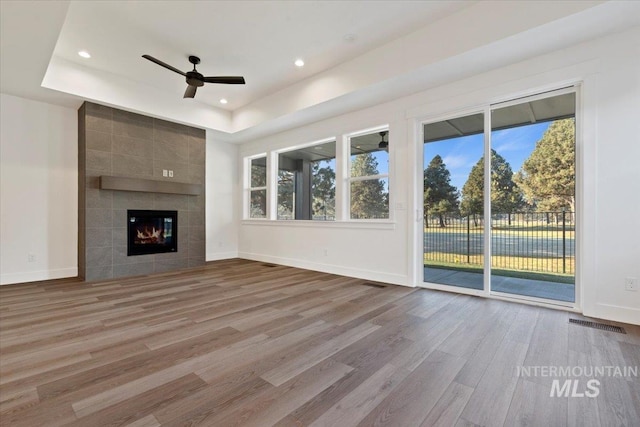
(373, 285)
(269, 265)
(600, 326)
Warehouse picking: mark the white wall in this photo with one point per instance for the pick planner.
(609, 178)
(38, 190)
(223, 193)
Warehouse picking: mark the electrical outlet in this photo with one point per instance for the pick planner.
(165, 173)
(31, 257)
(631, 284)
(170, 174)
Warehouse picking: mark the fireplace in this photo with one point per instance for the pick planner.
(151, 232)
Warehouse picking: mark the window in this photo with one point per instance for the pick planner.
(307, 183)
(369, 176)
(258, 187)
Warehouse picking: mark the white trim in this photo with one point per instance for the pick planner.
(535, 302)
(395, 279)
(497, 296)
(367, 131)
(415, 225)
(486, 214)
(355, 224)
(454, 289)
(306, 145)
(272, 183)
(546, 301)
(617, 313)
(217, 256)
(246, 183)
(579, 213)
(349, 179)
(342, 175)
(37, 276)
(571, 86)
(368, 177)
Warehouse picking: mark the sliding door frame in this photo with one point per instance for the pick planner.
(486, 110)
(419, 124)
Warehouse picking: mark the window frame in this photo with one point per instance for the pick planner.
(276, 162)
(350, 179)
(343, 182)
(248, 189)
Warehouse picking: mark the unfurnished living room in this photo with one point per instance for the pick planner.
(320, 213)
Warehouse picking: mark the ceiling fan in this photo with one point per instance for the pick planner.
(194, 78)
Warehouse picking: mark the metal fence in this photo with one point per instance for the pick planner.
(526, 241)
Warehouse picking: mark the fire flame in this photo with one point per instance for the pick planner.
(146, 236)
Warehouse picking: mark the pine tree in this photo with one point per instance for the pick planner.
(506, 196)
(323, 190)
(440, 197)
(368, 197)
(547, 177)
(473, 192)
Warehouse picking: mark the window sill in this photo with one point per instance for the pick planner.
(364, 224)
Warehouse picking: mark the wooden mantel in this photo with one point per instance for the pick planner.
(148, 185)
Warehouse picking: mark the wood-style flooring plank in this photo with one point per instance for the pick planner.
(238, 342)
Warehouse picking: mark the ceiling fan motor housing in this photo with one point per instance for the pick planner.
(195, 79)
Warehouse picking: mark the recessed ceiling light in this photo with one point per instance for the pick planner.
(318, 147)
(299, 63)
(223, 101)
(84, 54)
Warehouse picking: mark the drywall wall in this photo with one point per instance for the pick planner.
(222, 195)
(38, 190)
(607, 70)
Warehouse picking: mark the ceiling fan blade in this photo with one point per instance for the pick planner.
(164, 64)
(190, 92)
(230, 80)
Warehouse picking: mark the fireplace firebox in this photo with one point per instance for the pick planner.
(151, 232)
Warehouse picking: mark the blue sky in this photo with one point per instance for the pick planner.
(461, 154)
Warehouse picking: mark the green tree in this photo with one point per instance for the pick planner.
(258, 208)
(547, 177)
(369, 200)
(506, 196)
(440, 197)
(323, 190)
(285, 194)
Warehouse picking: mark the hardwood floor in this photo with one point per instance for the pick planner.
(241, 343)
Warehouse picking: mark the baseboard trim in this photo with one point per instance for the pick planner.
(616, 313)
(37, 276)
(395, 279)
(217, 256)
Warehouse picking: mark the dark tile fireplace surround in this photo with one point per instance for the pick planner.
(116, 143)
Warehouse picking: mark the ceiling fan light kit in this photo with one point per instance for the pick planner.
(193, 78)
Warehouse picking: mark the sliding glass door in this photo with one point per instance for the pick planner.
(521, 169)
(453, 234)
(533, 197)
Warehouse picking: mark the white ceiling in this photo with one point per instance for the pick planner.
(257, 39)
(396, 47)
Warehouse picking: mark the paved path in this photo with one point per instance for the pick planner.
(510, 285)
